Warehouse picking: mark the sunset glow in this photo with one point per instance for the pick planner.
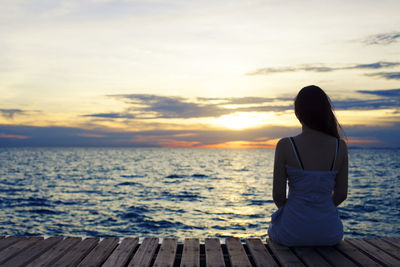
(242, 120)
(194, 74)
(245, 144)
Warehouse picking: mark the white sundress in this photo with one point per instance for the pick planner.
(309, 217)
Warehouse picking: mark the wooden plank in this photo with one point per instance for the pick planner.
(374, 252)
(236, 252)
(74, 255)
(100, 253)
(19, 251)
(355, 254)
(310, 257)
(17, 248)
(53, 254)
(388, 248)
(4, 243)
(214, 255)
(122, 253)
(260, 253)
(191, 253)
(334, 257)
(167, 253)
(284, 255)
(32, 252)
(393, 241)
(144, 254)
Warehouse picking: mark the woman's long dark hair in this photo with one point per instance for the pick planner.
(313, 108)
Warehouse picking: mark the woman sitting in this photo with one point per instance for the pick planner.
(314, 164)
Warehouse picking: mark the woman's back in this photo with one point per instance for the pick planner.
(309, 216)
(314, 165)
(316, 151)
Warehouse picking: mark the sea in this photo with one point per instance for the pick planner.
(175, 192)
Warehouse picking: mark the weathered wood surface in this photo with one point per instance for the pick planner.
(31, 253)
(237, 253)
(260, 253)
(77, 253)
(54, 253)
(191, 253)
(346, 248)
(100, 253)
(310, 257)
(377, 253)
(285, 256)
(335, 258)
(115, 252)
(9, 252)
(145, 253)
(167, 253)
(120, 256)
(214, 255)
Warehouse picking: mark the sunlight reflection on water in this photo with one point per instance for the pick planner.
(174, 192)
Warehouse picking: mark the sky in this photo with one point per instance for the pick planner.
(206, 74)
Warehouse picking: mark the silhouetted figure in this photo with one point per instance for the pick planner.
(314, 164)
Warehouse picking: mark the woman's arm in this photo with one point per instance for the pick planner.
(341, 183)
(279, 180)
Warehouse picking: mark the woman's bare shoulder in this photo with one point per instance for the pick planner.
(342, 143)
(283, 142)
(342, 147)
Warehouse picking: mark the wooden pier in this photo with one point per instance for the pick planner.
(113, 252)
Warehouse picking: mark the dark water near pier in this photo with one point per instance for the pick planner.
(174, 192)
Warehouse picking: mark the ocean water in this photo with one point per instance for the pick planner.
(175, 192)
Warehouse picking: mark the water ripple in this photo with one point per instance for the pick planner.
(174, 192)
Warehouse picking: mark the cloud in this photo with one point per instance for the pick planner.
(69, 136)
(239, 100)
(267, 71)
(146, 106)
(386, 99)
(65, 136)
(153, 106)
(385, 136)
(367, 104)
(384, 93)
(324, 68)
(111, 115)
(265, 136)
(91, 135)
(382, 38)
(10, 113)
(13, 136)
(386, 75)
(377, 65)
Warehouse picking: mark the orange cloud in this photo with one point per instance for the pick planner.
(13, 136)
(91, 135)
(362, 141)
(237, 144)
(169, 142)
(271, 144)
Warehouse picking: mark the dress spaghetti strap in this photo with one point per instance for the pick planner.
(336, 152)
(302, 221)
(296, 152)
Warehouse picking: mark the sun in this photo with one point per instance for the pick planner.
(241, 120)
